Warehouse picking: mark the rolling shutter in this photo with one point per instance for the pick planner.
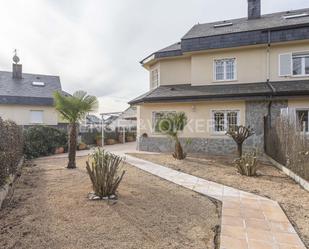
(285, 64)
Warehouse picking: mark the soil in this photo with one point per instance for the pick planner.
(50, 209)
(270, 182)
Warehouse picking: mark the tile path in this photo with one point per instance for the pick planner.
(248, 221)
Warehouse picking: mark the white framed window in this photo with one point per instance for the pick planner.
(225, 69)
(294, 64)
(154, 78)
(223, 120)
(36, 117)
(300, 64)
(302, 116)
(157, 117)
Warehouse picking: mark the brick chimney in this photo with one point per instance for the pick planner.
(17, 68)
(254, 9)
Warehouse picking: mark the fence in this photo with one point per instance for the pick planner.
(287, 143)
(11, 149)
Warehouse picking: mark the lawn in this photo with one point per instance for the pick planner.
(50, 209)
(270, 183)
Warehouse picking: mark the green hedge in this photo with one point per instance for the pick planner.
(43, 140)
(11, 148)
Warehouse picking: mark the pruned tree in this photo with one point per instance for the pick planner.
(239, 135)
(171, 125)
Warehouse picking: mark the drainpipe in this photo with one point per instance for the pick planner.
(273, 90)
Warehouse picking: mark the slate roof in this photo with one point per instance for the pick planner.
(21, 91)
(243, 32)
(267, 21)
(248, 91)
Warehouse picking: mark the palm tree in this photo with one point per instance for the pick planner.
(73, 109)
(171, 125)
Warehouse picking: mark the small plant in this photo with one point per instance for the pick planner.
(240, 134)
(247, 165)
(103, 169)
(171, 125)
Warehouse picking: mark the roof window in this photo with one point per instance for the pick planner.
(224, 24)
(292, 16)
(38, 83)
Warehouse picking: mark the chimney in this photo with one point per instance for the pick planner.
(254, 9)
(17, 68)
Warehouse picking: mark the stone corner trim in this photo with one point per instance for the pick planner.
(302, 182)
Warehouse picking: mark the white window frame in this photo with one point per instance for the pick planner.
(152, 85)
(153, 124)
(303, 64)
(302, 109)
(225, 120)
(224, 69)
(35, 121)
(292, 55)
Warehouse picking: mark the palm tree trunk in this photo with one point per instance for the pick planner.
(72, 146)
(179, 155)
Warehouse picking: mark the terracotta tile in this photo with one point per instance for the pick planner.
(282, 227)
(232, 243)
(285, 246)
(233, 232)
(257, 224)
(231, 212)
(276, 215)
(288, 238)
(250, 203)
(255, 234)
(231, 204)
(253, 244)
(232, 221)
(252, 213)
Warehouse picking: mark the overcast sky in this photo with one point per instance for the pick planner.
(96, 45)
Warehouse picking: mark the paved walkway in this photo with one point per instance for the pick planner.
(248, 221)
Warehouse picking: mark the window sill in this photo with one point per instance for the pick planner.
(224, 81)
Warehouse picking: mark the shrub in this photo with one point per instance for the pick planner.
(103, 170)
(43, 141)
(11, 149)
(247, 165)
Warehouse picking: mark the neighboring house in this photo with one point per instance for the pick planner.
(228, 73)
(27, 99)
(125, 119)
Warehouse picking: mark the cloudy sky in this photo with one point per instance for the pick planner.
(96, 45)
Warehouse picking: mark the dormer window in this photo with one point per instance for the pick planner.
(292, 16)
(38, 83)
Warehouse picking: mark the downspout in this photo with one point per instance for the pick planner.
(273, 90)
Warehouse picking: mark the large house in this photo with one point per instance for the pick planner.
(27, 99)
(228, 73)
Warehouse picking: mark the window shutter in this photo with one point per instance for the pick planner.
(285, 64)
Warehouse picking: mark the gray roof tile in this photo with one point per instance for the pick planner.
(230, 91)
(274, 20)
(21, 91)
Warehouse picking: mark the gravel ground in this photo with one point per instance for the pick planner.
(270, 183)
(50, 209)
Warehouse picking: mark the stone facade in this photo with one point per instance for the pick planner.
(255, 113)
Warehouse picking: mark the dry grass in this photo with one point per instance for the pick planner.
(270, 183)
(50, 210)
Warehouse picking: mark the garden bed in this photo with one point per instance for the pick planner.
(270, 183)
(50, 209)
